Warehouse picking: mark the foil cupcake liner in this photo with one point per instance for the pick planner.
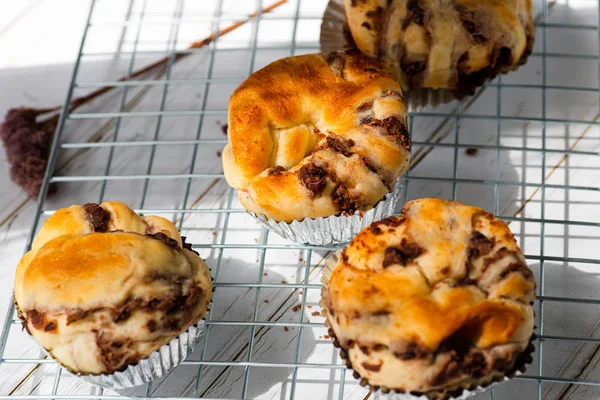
(324, 231)
(335, 35)
(525, 358)
(156, 365)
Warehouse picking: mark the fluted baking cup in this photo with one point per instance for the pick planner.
(156, 365)
(335, 35)
(395, 394)
(324, 231)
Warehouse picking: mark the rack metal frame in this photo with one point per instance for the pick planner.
(460, 113)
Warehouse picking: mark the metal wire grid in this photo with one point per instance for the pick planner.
(458, 114)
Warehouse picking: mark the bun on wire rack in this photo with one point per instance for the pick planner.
(435, 303)
(317, 144)
(439, 50)
(114, 297)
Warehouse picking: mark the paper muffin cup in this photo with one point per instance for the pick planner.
(158, 364)
(335, 35)
(525, 358)
(324, 231)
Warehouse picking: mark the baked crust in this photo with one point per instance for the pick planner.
(432, 301)
(316, 135)
(102, 287)
(455, 45)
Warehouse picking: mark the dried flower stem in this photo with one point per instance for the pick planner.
(79, 101)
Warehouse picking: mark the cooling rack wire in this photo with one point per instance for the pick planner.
(525, 147)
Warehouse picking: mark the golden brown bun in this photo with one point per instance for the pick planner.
(434, 300)
(316, 135)
(102, 287)
(443, 44)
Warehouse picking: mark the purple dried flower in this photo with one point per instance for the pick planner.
(27, 143)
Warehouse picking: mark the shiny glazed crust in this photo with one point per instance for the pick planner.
(455, 45)
(102, 287)
(316, 135)
(432, 301)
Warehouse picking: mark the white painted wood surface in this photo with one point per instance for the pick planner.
(38, 44)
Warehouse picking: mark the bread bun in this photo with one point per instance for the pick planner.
(102, 287)
(455, 45)
(316, 135)
(435, 300)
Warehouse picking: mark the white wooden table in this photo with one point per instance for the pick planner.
(552, 194)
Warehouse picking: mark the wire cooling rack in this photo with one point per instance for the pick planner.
(525, 147)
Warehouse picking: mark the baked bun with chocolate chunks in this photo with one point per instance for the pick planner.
(316, 135)
(102, 287)
(432, 302)
(434, 44)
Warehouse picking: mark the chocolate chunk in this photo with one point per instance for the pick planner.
(51, 326)
(36, 318)
(517, 267)
(171, 325)
(479, 245)
(168, 304)
(375, 16)
(475, 364)
(340, 144)
(498, 255)
(313, 178)
(76, 315)
(276, 170)
(370, 166)
(97, 217)
(344, 200)
(402, 255)
(376, 230)
(414, 13)
(371, 367)
(193, 296)
(371, 70)
(113, 351)
(152, 326)
(121, 315)
(366, 25)
(465, 282)
(379, 21)
(412, 351)
(396, 128)
(165, 239)
(379, 347)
